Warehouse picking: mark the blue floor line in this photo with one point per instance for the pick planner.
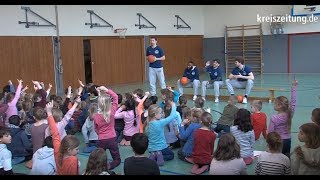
(162, 170)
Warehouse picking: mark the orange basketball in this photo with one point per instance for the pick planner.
(240, 99)
(151, 58)
(184, 80)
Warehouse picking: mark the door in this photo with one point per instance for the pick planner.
(117, 61)
(304, 53)
(72, 60)
(179, 50)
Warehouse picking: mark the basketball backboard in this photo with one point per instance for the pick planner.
(305, 10)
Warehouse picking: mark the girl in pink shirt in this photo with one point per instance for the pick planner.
(281, 122)
(12, 100)
(129, 114)
(104, 124)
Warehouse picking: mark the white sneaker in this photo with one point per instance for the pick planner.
(216, 100)
(204, 98)
(244, 101)
(194, 97)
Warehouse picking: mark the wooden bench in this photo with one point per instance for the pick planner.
(271, 91)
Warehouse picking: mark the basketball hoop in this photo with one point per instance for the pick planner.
(121, 32)
(276, 27)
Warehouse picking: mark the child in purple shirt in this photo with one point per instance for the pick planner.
(281, 122)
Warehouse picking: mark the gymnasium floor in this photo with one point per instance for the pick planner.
(308, 98)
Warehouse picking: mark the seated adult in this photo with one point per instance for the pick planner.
(192, 73)
(215, 72)
(240, 77)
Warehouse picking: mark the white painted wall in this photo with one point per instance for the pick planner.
(72, 19)
(11, 14)
(209, 20)
(216, 17)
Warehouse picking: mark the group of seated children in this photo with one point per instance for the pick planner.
(41, 132)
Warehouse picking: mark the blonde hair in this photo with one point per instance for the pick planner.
(196, 114)
(199, 102)
(153, 110)
(39, 113)
(27, 105)
(57, 114)
(186, 112)
(28, 96)
(274, 141)
(257, 104)
(104, 105)
(93, 108)
(284, 105)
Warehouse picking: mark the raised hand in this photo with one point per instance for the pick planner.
(10, 82)
(25, 88)
(208, 63)
(147, 93)
(69, 90)
(98, 90)
(103, 88)
(80, 82)
(20, 81)
(78, 100)
(80, 89)
(50, 85)
(135, 95)
(42, 85)
(35, 82)
(185, 121)
(49, 107)
(35, 87)
(294, 82)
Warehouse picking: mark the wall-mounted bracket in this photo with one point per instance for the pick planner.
(91, 12)
(33, 23)
(180, 25)
(143, 25)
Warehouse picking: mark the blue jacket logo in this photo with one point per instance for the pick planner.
(156, 51)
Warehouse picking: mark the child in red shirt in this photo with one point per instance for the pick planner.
(258, 119)
(204, 139)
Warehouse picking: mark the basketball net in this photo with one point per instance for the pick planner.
(121, 32)
(276, 27)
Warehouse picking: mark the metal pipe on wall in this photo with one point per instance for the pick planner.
(57, 58)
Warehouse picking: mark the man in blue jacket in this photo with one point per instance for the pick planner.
(240, 77)
(215, 72)
(192, 73)
(156, 68)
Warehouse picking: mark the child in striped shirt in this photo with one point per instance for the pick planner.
(273, 162)
(242, 130)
